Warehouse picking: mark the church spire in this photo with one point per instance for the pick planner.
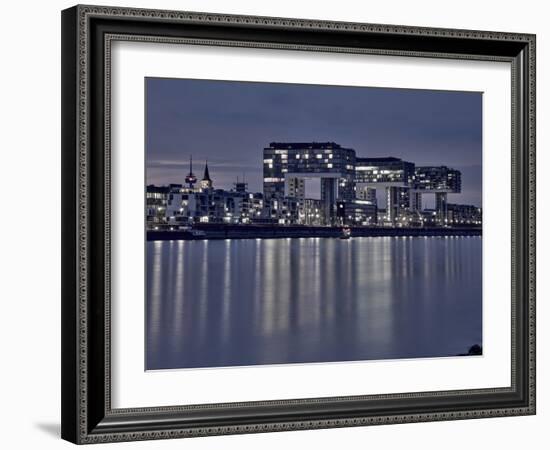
(206, 176)
(206, 182)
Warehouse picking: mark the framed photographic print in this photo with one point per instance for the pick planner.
(279, 224)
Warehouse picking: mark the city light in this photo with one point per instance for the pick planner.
(348, 193)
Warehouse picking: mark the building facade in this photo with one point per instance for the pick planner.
(287, 166)
(393, 175)
(440, 181)
(463, 215)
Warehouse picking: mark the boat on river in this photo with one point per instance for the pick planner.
(346, 233)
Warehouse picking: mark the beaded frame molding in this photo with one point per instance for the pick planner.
(87, 35)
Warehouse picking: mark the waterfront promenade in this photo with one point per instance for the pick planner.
(225, 231)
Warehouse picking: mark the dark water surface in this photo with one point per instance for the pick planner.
(275, 301)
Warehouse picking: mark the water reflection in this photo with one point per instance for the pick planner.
(243, 302)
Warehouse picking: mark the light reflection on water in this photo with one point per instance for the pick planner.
(267, 301)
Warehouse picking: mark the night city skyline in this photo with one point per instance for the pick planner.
(229, 123)
(356, 236)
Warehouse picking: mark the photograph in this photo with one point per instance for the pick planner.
(300, 223)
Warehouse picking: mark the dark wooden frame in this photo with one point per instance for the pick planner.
(87, 32)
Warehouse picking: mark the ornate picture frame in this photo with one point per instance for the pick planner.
(88, 33)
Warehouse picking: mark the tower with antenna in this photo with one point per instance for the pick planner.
(190, 179)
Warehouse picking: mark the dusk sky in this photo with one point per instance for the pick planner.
(229, 123)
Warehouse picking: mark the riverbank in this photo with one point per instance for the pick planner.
(224, 231)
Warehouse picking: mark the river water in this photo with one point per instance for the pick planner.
(216, 303)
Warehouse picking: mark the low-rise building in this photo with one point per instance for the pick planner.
(463, 215)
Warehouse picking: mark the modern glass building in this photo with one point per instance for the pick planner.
(388, 170)
(287, 166)
(438, 180)
(392, 174)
